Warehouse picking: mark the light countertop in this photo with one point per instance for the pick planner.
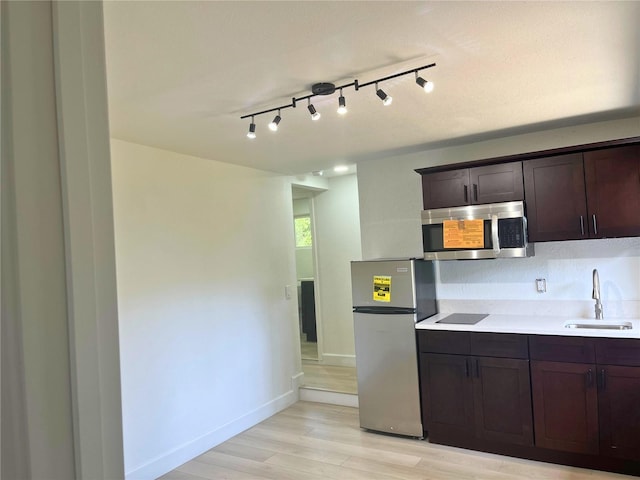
(534, 324)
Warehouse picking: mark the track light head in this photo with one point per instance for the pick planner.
(252, 130)
(342, 104)
(425, 84)
(312, 110)
(273, 126)
(386, 99)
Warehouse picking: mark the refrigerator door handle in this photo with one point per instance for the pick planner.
(385, 310)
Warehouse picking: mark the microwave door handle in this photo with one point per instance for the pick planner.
(494, 234)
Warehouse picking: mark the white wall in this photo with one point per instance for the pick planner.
(390, 205)
(304, 255)
(304, 263)
(60, 377)
(338, 242)
(36, 370)
(209, 344)
(301, 206)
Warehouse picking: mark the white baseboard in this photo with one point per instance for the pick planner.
(338, 360)
(332, 398)
(183, 453)
(297, 381)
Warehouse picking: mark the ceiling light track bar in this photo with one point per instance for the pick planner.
(396, 75)
(355, 84)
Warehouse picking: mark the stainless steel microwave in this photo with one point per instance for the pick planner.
(496, 230)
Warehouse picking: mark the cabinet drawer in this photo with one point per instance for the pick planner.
(506, 345)
(562, 349)
(618, 351)
(438, 341)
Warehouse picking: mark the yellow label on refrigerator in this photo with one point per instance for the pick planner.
(381, 288)
(463, 234)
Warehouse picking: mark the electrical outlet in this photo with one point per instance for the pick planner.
(287, 292)
(541, 285)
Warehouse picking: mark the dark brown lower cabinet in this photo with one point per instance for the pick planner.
(586, 395)
(568, 400)
(565, 406)
(502, 397)
(481, 397)
(447, 394)
(619, 411)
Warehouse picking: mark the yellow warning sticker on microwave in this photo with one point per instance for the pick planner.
(381, 288)
(463, 233)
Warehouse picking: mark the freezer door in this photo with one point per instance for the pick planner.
(388, 283)
(387, 371)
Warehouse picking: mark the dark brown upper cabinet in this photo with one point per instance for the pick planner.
(555, 198)
(595, 194)
(473, 186)
(612, 179)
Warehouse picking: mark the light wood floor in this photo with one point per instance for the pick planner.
(308, 350)
(329, 377)
(325, 377)
(312, 441)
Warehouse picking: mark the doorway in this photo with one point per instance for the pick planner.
(305, 272)
(327, 239)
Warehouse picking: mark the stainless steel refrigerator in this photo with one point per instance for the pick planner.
(389, 297)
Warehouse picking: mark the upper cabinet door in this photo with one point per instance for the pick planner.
(471, 186)
(446, 189)
(555, 198)
(496, 183)
(613, 191)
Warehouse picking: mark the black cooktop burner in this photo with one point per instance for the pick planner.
(463, 318)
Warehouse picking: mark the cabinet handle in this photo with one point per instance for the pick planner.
(595, 224)
(603, 378)
(477, 368)
(582, 225)
(466, 194)
(475, 192)
(466, 367)
(589, 378)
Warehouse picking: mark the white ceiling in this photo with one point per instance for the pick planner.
(180, 74)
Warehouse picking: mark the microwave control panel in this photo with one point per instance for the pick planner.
(511, 233)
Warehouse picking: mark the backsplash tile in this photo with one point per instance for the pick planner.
(560, 308)
(508, 285)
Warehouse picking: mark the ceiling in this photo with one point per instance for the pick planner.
(181, 74)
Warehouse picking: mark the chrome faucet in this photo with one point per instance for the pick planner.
(596, 295)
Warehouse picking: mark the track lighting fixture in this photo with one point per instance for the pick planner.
(329, 89)
(273, 126)
(312, 110)
(386, 99)
(252, 129)
(342, 104)
(425, 84)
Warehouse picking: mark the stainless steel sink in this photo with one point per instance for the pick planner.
(600, 325)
